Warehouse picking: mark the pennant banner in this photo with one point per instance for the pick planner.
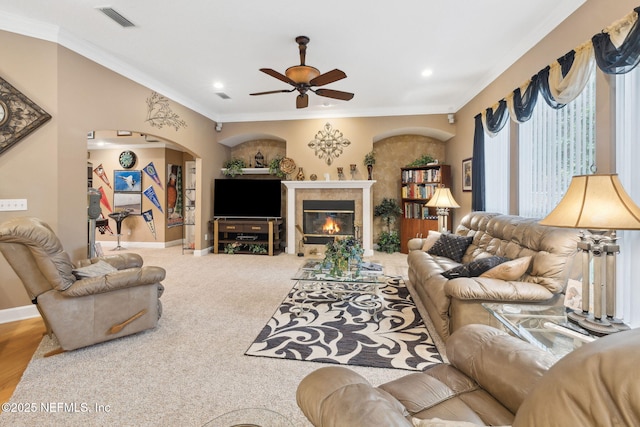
(151, 171)
(103, 175)
(104, 200)
(148, 217)
(151, 195)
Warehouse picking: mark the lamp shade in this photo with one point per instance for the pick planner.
(595, 202)
(442, 198)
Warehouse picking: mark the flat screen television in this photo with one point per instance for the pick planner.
(247, 198)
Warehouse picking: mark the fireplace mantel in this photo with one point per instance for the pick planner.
(367, 212)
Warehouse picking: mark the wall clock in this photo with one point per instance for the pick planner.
(127, 159)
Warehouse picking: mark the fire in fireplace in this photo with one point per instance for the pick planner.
(325, 219)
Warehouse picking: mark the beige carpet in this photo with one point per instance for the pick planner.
(192, 368)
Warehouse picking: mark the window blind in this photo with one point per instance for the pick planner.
(628, 169)
(496, 160)
(554, 146)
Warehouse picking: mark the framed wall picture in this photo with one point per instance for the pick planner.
(467, 182)
(127, 180)
(129, 201)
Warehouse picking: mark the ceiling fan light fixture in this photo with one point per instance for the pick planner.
(302, 73)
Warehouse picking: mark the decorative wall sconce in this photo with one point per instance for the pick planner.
(19, 116)
(329, 143)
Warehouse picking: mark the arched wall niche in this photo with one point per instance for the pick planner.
(428, 132)
(394, 152)
(104, 150)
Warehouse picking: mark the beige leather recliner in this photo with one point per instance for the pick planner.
(492, 379)
(122, 301)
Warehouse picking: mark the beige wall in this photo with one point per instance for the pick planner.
(587, 21)
(48, 167)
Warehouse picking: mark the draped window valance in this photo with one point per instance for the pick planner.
(616, 50)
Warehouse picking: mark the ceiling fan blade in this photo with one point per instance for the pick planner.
(328, 77)
(337, 94)
(302, 101)
(273, 91)
(277, 75)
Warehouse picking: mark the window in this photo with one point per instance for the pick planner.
(555, 145)
(496, 166)
(627, 167)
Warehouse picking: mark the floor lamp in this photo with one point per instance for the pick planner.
(442, 200)
(599, 205)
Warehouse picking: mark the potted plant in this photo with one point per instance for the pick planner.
(234, 167)
(369, 161)
(274, 167)
(389, 242)
(341, 255)
(424, 160)
(388, 210)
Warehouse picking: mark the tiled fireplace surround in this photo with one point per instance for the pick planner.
(359, 191)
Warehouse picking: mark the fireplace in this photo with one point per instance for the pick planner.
(323, 220)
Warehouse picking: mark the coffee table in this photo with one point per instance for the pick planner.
(360, 288)
(250, 417)
(544, 326)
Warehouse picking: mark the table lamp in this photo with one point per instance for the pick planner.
(442, 200)
(599, 205)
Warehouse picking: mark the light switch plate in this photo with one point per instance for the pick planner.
(13, 205)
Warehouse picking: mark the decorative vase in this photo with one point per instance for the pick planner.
(300, 176)
(369, 171)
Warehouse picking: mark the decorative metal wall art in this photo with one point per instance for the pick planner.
(159, 113)
(329, 143)
(19, 116)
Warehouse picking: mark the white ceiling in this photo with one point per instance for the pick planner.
(180, 48)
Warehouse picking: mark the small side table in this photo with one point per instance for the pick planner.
(541, 325)
(118, 217)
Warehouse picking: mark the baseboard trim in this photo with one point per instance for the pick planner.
(18, 313)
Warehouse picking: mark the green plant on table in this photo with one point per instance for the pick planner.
(258, 248)
(369, 159)
(234, 167)
(389, 242)
(341, 254)
(232, 248)
(274, 167)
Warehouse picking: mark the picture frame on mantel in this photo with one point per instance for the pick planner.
(467, 176)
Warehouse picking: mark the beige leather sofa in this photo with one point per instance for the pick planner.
(453, 303)
(492, 379)
(114, 296)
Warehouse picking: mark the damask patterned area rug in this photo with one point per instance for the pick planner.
(338, 332)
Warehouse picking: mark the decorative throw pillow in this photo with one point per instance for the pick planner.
(474, 268)
(451, 246)
(510, 270)
(431, 239)
(99, 268)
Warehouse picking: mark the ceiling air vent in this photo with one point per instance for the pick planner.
(223, 95)
(113, 14)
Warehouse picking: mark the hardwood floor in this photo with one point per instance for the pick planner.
(18, 341)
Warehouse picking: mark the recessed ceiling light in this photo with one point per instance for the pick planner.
(427, 72)
(218, 86)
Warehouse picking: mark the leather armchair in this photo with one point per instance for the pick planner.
(492, 379)
(121, 300)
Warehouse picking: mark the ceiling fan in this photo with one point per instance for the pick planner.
(304, 77)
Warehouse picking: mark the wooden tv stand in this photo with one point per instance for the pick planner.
(248, 232)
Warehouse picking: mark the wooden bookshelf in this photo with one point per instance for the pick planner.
(416, 188)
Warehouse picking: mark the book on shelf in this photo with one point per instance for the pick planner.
(418, 191)
(421, 175)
